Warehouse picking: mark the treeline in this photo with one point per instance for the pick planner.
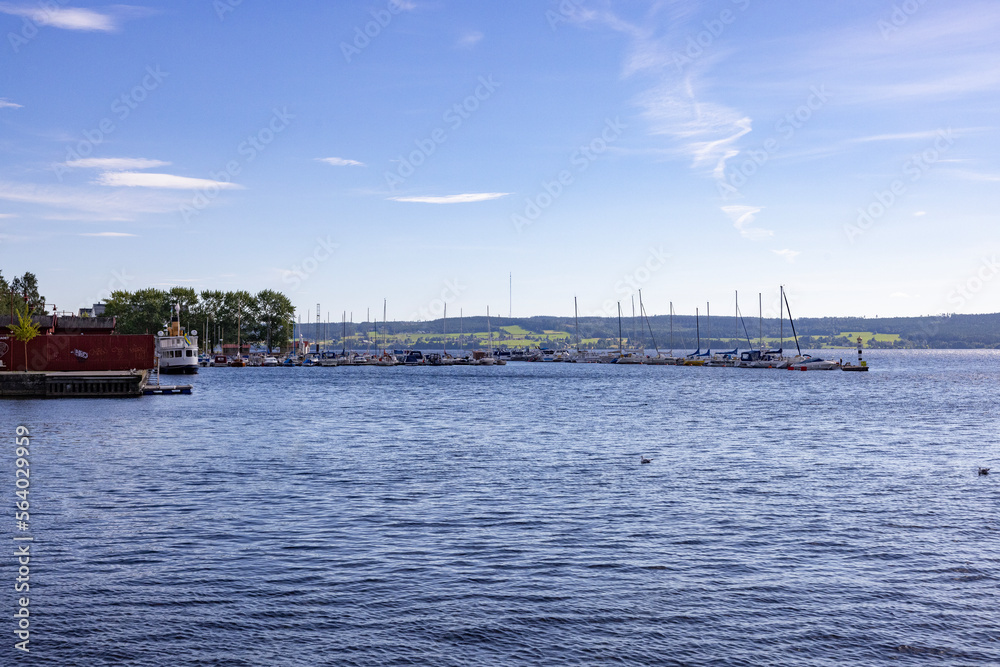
(21, 290)
(219, 317)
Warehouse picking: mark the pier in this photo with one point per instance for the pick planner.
(73, 384)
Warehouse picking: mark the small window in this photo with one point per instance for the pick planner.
(189, 353)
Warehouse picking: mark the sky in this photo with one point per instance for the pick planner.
(511, 155)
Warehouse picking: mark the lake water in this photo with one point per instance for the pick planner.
(500, 516)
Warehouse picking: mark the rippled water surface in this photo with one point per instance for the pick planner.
(500, 516)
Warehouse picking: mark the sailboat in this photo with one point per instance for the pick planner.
(696, 358)
(804, 362)
(238, 361)
(634, 355)
(487, 359)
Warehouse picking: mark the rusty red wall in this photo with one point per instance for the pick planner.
(80, 353)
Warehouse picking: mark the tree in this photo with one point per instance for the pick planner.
(25, 330)
(27, 288)
(276, 312)
(145, 311)
(186, 298)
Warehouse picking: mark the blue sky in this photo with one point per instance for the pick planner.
(423, 151)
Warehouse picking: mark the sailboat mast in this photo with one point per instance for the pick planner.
(781, 309)
(697, 329)
(444, 345)
(737, 319)
(760, 318)
(489, 329)
(635, 338)
(708, 316)
(671, 328)
(642, 311)
(576, 316)
(619, 328)
(792, 322)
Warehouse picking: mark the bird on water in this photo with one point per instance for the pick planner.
(984, 471)
(643, 459)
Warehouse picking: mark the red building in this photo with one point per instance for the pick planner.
(76, 344)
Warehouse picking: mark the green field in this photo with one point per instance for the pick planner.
(867, 336)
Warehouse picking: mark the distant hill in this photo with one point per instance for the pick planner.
(941, 331)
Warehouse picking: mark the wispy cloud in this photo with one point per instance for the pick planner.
(5, 104)
(341, 162)
(676, 105)
(76, 18)
(901, 136)
(108, 234)
(454, 199)
(67, 18)
(133, 179)
(743, 217)
(90, 204)
(789, 255)
(469, 39)
(115, 163)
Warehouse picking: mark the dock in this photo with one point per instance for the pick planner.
(73, 384)
(160, 389)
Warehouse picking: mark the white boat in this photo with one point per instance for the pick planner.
(176, 349)
(269, 361)
(806, 362)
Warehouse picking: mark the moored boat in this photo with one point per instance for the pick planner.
(176, 348)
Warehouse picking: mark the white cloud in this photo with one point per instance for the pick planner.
(341, 162)
(903, 136)
(789, 255)
(743, 217)
(89, 203)
(920, 213)
(469, 39)
(4, 216)
(108, 234)
(674, 107)
(5, 104)
(454, 199)
(67, 18)
(115, 163)
(168, 181)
